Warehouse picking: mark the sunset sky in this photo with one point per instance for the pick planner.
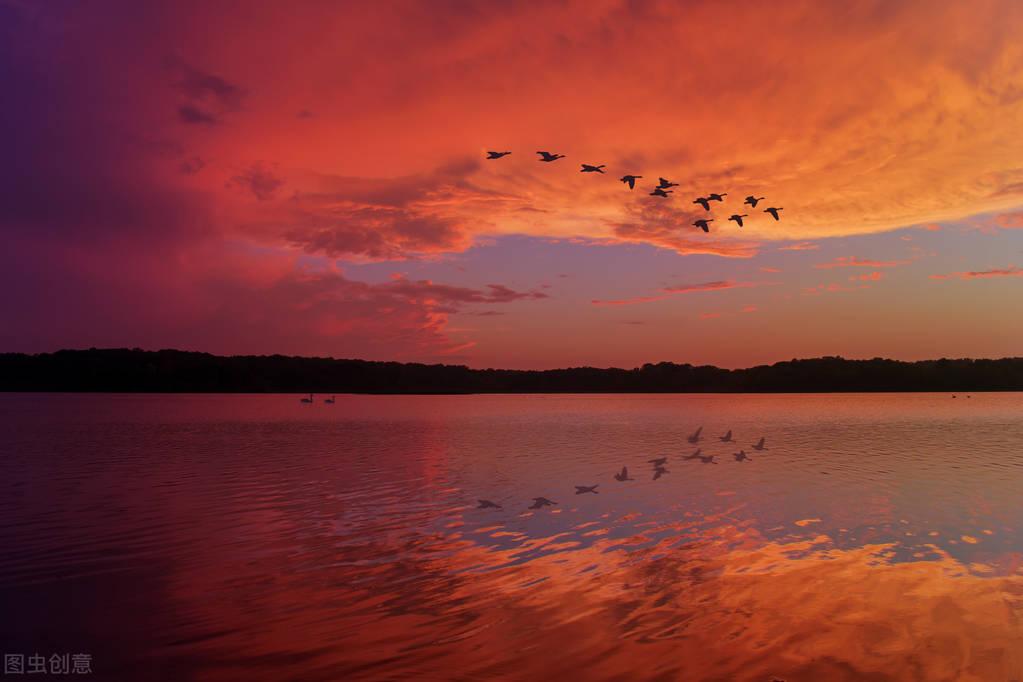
(309, 178)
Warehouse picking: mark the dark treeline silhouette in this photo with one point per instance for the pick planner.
(179, 371)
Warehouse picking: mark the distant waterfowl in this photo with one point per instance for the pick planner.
(307, 400)
(727, 438)
(630, 180)
(759, 445)
(703, 224)
(737, 217)
(658, 192)
(539, 502)
(695, 455)
(331, 400)
(714, 196)
(547, 157)
(741, 456)
(623, 475)
(752, 201)
(659, 471)
(694, 438)
(581, 489)
(708, 459)
(658, 461)
(487, 504)
(587, 168)
(773, 211)
(665, 184)
(702, 201)
(497, 155)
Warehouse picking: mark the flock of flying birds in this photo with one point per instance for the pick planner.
(663, 189)
(658, 469)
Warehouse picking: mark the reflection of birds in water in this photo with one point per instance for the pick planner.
(539, 502)
(759, 445)
(659, 471)
(658, 461)
(694, 438)
(740, 456)
(737, 218)
(707, 459)
(703, 224)
(580, 489)
(630, 180)
(587, 168)
(623, 475)
(773, 211)
(497, 155)
(487, 504)
(548, 157)
(752, 201)
(727, 438)
(307, 400)
(658, 192)
(695, 455)
(703, 201)
(331, 400)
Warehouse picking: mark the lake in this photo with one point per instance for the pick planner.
(254, 537)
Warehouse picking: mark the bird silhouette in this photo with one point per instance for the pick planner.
(630, 180)
(658, 192)
(708, 459)
(539, 502)
(702, 223)
(665, 184)
(580, 489)
(773, 211)
(487, 504)
(702, 201)
(737, 217)
(694, 438)
(497, 155)
(752, 200)
(307, 400)
(623, 475)
(548, 157)
(740, 456)
(695, 455)
(759, 445)
(587, 168)
(714, 196)
(727, 438)
(331, 400)
(659, 471)
(658, 461)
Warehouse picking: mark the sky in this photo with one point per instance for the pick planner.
(310, 178)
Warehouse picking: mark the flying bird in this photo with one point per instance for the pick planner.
(709, 459)
(714, 196)
(623, 475)
(548, 157)
(539, 502)
(703, 201)
(658, 192)
(695, 437)
(658, 462)
(773, 211)
(587, 168)
(630, 180)
(760, 445)
(695, 455)
(580, 489)
(740, 456)
(665, 184)
(659, 471)
(727, 438)
(497, 155)
(752, 200)
(702, 224)
(737, 217)
(487, 504)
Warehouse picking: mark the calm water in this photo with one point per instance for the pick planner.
(256, 538)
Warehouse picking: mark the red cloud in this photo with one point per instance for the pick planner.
(1010, 221)
(853, 262)
(1013, 271)
(682, 289)
(870, 276)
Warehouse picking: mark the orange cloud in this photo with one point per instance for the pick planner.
(1010, 221)
(800, 246)
(983, 274)
(681, 289)
(853, 262)
(870, 276)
